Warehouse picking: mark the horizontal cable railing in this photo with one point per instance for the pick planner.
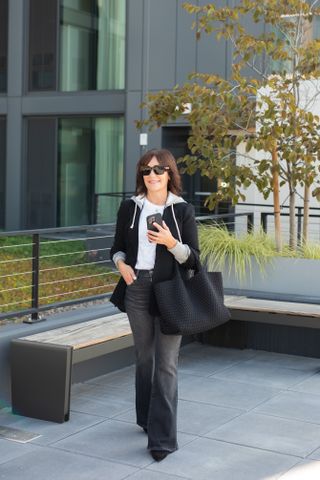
(56, 267)
(265, 216)
(62, 267)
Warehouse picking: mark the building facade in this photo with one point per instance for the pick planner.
(73, 74)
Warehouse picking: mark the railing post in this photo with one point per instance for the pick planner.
(250, 222)
(263, 221)
(299, 236)
(35, 317)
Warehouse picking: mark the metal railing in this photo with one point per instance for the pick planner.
(94, 242)
(43, 255)
(264, 215)
(197, 200)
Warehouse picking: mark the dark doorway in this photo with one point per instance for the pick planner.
(195, 187)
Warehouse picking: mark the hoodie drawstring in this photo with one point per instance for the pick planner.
(176, 223)
(134, 216)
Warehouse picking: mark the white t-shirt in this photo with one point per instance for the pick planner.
(146, 250)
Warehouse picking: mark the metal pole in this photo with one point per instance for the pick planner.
(263, 221)
(299, 227)
(250, 222)
(35, 317)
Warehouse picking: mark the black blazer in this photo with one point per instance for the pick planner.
(126, 240)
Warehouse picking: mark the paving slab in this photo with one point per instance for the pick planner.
(147, 474)
(225, 393)
(293, 405)
(116, 441)
(12, 450)
(50, 432)
(204, 366)
(305, 470)
(194, 418)
(264, 374)
(315, 455)
(123, 377)
(310, 385)
(206, 459)
(50, 464)
(270, 433)
(197, 349)
(104, 401)
(298, 362)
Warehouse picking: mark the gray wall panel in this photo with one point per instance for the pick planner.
(254, 29)
(3, 106)
(134, 44)
(155, 139)
(15, 47)
(84, 103)
(211, 53)
(162, 52)
(14, 165)
(132, 147)
(186, 44)
(14, 118)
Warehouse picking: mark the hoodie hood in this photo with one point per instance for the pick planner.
(172, 199)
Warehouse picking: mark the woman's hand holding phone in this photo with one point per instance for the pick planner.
(161, 234)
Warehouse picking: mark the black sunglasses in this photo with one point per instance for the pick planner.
(158, 170)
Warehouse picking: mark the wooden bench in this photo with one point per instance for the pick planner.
(272, 311)
(41, 364)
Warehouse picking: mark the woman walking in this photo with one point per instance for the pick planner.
(143, 258)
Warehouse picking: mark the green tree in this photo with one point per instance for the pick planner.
(269, 109)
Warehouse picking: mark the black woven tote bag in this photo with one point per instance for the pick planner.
(193, 305)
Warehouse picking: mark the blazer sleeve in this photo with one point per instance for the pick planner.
(118, 249)
(189, 236)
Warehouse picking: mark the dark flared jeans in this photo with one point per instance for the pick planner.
(156, 368)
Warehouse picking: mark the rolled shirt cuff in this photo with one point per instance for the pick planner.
(118, 256)
(180, 251)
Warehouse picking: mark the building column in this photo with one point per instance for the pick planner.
(13, 212)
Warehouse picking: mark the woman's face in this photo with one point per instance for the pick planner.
(156, 183)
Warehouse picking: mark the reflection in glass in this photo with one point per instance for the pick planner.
(3, 44)
(90, 160)
(74, 175)
(109, 153)
(42, 45)
(92, 44)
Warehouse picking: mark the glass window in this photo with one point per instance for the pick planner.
(2, 170)
(109, 154)
(92, 44)
(43, 45)
(84, 38)
(90, 162)
(75, 151)
(3, 44)
(72, 163)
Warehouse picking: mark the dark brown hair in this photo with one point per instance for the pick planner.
(166, 159)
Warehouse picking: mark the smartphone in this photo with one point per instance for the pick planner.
(155, 217)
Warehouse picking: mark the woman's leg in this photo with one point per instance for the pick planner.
(162, 424)
(142, 325)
